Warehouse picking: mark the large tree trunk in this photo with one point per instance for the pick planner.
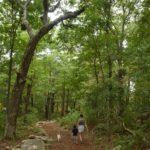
(110, 67)
(27, 100)
(12, 42)
(10, 130)
(47, 107)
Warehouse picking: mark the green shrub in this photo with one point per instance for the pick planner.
(100, 129)
(29, 119)
(55, 116)
(139, 140)
(126, 142)
(70, 119)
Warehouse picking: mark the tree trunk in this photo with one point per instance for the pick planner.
(121, 92)
(47, 107)
(67, 101)
(12, 42)
(27, 100)
(63, 102)
(10, 130)
(52, 102)
(32, 101)
(13, 108)
(95, 70)
(109, 62)
(128, 92)
(57, 107)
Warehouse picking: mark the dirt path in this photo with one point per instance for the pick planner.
(66, 143)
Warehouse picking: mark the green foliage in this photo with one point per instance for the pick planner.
(125, 142)
(70, 119)
(138, 141)
(29, 119)
(100, 129)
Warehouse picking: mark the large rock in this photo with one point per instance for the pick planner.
(33, 144)
(119, 147)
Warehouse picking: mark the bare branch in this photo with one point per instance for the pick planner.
(27, 2)
(25, 24)
(46, 8)
(45, 29)
(55, 6)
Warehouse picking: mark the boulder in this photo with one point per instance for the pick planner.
(33, 144)
(7, 148)
(119, 147)
(32, 137)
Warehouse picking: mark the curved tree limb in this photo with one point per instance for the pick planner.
(25, 22)
(46, 28)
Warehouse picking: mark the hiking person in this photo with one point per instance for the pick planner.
(81, 127)
(75, 133)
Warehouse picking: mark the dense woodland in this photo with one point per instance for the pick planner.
(59, 58)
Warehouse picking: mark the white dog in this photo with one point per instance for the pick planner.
(58, 137)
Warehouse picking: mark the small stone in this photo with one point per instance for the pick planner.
(32, 137)
(18, 146)
(119, 147)
(43, 134)
(7, 148)
(44, 139)
(34, 147)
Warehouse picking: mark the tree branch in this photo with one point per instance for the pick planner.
(46, 8)
(55, 6)
(25, 24)
(46, 28)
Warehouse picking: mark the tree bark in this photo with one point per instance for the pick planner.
(67, 101)
(32, 101)
(27, 100)
(47, 106)
(109, 62)
(10, 129)
(121, 70)
(52, 102)
(63, 101)
(12, 42)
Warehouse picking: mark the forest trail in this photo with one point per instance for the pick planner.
(52, 129)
